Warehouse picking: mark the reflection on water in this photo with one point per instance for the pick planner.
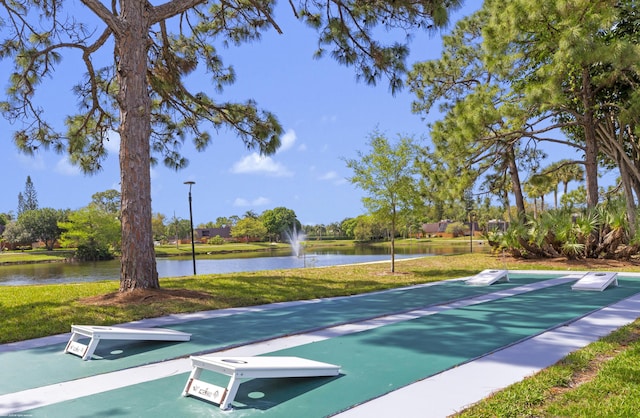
(50, 273)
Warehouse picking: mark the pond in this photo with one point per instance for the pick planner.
(52, 273)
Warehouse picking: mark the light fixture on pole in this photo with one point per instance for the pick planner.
(471, 216)
(193, 247)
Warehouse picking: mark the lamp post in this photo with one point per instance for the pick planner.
(470, 211)
(193, 247)
(471, 218)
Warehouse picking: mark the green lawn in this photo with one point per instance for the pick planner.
(40, 255)
(185, 249)
(34, 256)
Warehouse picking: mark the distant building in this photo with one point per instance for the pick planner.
(476, 229)
(436, 229)
(204, 234)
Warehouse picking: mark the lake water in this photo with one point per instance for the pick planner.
(51, 273)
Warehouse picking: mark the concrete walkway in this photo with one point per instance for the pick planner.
(456, 389)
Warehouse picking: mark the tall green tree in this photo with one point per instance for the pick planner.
(334, 229)
(94, 232)
(249, 228)
(478, 143)
(619, 99)
(138, 56)
(537, 187)
(528, 71)
(179, 229)
(564, 172)
(107, 201)
(279, 221)
(222, 221)
(347, 226)
(42, 224)
(388, 176)
(16, 235)
(159, 227)
(29, 199)
(367, 228)
(566, 61)
(4, 218)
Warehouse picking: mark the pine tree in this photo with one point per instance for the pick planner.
(139, 62)
(29, 199)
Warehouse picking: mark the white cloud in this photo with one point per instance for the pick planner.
(65, 167)
(330, 175)
(242, 202)
(333, 177)
(256, 163)
(35, 162)
(287, 140)
(113, 142)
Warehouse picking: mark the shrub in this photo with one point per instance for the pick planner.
(89, 252)
(457, 229)
(217, 240)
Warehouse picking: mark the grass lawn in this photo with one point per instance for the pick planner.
(599, 380)
(34, 256)
(185, 249)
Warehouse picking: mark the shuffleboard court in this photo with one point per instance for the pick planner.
(31, 368)
(372, 363)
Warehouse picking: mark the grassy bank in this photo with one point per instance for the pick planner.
(185, 249)
(34, 256)
(309, 246)
(600, 380)
(39, 255)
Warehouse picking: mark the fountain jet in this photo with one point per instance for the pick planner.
(295, 239)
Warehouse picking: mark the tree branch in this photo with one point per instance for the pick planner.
(108, 17)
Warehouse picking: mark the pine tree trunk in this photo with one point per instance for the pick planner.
(591, 144)
(515, 183)
(629, 198)
(138, 263)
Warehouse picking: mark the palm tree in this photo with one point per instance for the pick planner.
(563, 171)
(552, 172)
(567, 172)
(538, 186)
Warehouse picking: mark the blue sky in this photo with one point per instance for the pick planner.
(326, 114)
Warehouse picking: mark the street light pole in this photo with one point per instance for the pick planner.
(193, 247)
(471, 235)
(470, 211)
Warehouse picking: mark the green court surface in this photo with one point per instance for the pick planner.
(373, 362)
(36, 367)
